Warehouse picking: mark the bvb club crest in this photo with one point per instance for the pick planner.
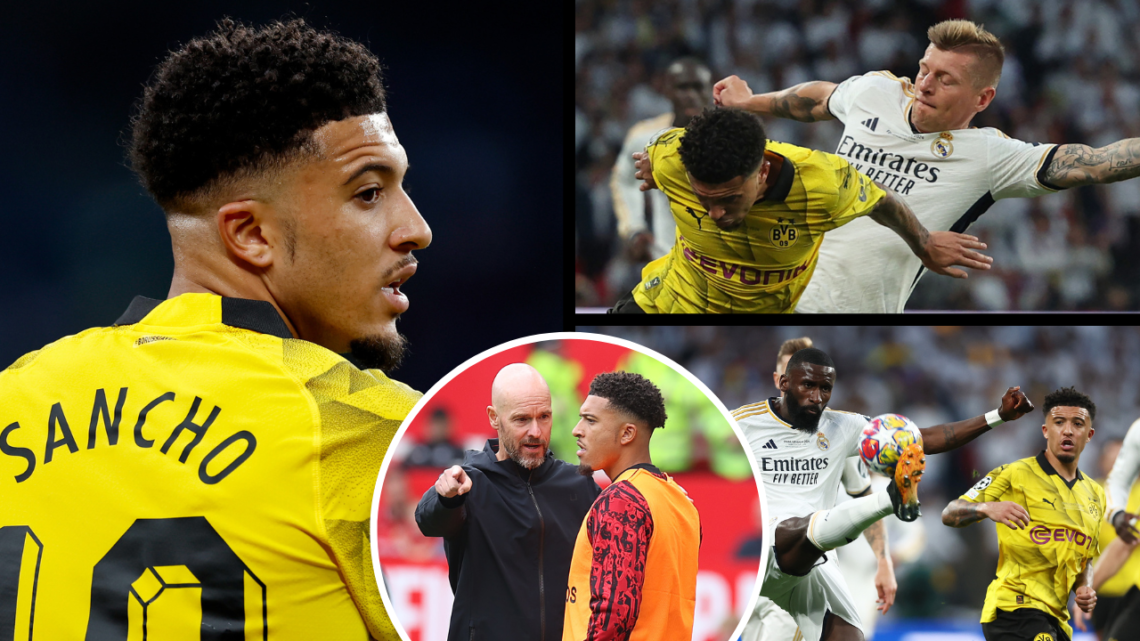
(1044, 636)
(784, 234)
(822, 441)
(942, 147)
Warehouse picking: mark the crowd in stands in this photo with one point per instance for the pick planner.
(1070, 76)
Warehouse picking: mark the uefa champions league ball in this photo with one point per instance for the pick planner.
(884, 440)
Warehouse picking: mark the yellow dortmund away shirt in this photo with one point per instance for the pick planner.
(194, 472)
(764, 264)
(1038, 565)
(1129, 573)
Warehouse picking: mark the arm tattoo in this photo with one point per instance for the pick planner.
(1075, 165)
(893, 213)
(789, 104)
(876, 537)
(961, 513)
(951, 441)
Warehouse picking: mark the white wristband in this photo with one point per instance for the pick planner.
(993, 419)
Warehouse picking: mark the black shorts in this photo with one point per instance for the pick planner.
(1025, 624)
(1106, 610)
(626, 305)
(1125, 618)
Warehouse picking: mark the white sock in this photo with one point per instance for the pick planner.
(829, 529)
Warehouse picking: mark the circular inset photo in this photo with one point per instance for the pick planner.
(567, 486)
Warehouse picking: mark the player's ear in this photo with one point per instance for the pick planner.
(493, 417)
(628, 433)
(985, 98)
(242, 227)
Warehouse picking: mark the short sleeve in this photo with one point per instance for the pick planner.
(668, 172)
(1098, 543)
(839, 102)
(1124, 472)
(856, 479)
(1017, 169)
(845, 194)
(991, 487)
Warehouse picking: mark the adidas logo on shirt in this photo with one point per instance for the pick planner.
(770, 445)
(870, 123)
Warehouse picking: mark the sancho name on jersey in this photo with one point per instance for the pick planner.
(193, 472)
(764, 264)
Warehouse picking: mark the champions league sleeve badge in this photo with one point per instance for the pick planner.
(942, 147)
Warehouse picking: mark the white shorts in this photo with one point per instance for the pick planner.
(769, 623)
(808, 598)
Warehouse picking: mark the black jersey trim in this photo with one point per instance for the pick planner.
(257, 315)
(783, 185)
(1049, 469)
(1045, 167)
(137, 310)
(972, 214)
(649, 467)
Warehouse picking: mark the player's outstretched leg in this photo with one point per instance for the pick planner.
(800, 541)
(903, 489)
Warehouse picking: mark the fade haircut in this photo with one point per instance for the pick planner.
(241, 101)
(721, 144)
(810, 355)
(1069, 397)
(791, 346)
(967, 37)
(631, 394)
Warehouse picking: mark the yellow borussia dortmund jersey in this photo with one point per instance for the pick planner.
(180, 477)
(764, 264)
(1129, 573)
(1038, 565)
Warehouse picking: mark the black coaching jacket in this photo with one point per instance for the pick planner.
(508, 543)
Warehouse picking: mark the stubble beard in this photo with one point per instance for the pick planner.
(585, 470)
(525, 461)
(384, 352)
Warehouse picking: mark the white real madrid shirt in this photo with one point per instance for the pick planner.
(638, 210)
(948, 178)
(1124, 471)
(801, 472)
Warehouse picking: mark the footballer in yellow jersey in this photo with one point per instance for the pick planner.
(1048, 521)
(194, 466)
(751, 215)
(205, 468)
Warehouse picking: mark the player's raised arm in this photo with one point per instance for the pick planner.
(1076, 165)
(938, 250)
(805, 102)
(941, 438)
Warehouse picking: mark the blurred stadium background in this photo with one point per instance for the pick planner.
(933, 375)
(697, 446)
(81, 238)
(1071, 76)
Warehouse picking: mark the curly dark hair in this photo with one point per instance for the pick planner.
(632, 394)
(720, 144)
(244, 98)
(1068, 397)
